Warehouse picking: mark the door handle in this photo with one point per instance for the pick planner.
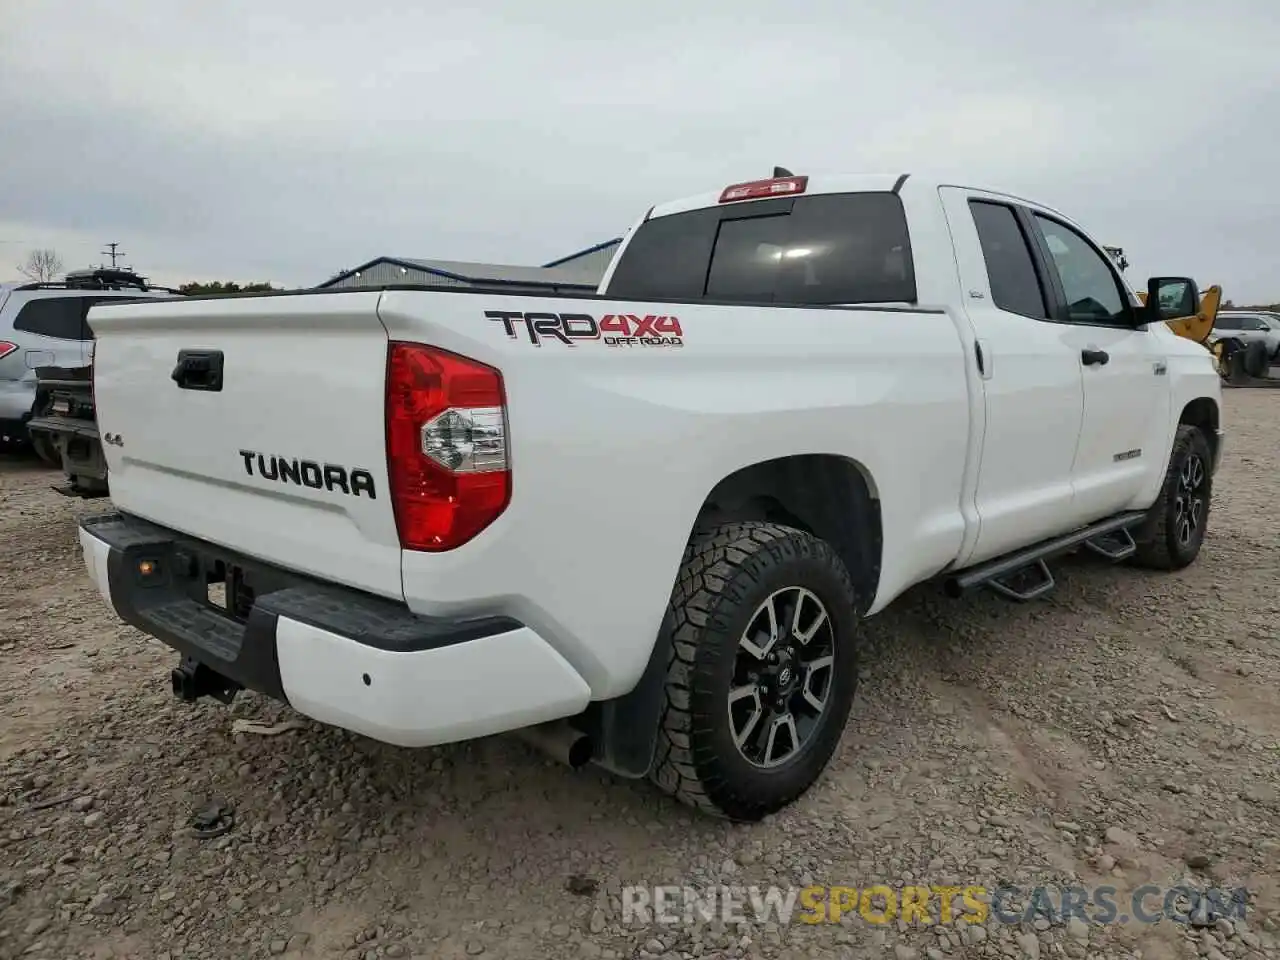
(1093, 356)
(198, 370)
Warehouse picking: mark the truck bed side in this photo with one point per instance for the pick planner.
(615, 447)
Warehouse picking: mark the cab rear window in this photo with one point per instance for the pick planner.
(818, 250)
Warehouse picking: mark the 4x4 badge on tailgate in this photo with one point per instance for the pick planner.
(113, 439)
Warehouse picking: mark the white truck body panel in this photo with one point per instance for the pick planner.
(979, 431)
(617, 446)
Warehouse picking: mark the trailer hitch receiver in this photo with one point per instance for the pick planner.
(192, 680)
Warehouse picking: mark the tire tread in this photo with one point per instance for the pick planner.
(717, 563)
(1156, 549)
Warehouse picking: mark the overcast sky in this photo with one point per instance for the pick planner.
(284, 140)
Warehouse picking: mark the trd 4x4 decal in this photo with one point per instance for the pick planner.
(613, 329)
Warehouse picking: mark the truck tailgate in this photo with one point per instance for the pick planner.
(285, 458)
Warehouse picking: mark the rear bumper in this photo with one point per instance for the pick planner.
(17, 397)
(79, 445)
(340, 656)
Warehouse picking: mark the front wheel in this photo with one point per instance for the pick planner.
(762, 669)
(1171, 536)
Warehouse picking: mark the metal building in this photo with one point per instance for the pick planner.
(590, 263)
(577, 273)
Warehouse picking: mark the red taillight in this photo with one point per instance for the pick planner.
(777, 187)
(6, 348)
(446, 446)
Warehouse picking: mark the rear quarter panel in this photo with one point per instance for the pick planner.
(615, 448)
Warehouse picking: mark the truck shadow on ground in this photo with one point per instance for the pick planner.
(926, 642)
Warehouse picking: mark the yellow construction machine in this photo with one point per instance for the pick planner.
(1198, 327)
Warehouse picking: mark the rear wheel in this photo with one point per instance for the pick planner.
(1171, 536)
(1256, 361)
(1230, 359)
(762, 670)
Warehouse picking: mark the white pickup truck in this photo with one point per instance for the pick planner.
(640, 527)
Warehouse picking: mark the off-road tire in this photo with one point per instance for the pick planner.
(1159, 545)
(1256, 362)
(727, 572)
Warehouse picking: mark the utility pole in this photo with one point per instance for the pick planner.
(112, 253)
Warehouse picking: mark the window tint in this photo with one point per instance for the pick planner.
(1092, 291)
(60, 317)
(848, 248)
(667, 257)
(747, 256)
(826, 249)
(1014, 284)
(1239, 323)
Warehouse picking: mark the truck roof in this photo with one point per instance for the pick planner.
(844, 183)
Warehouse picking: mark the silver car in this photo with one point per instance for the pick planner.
(1250, 326)
(43, 325)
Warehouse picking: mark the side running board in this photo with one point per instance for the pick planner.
(1116, 545)
(1024, 575)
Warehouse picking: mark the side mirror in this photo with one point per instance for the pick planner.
(1172, 298)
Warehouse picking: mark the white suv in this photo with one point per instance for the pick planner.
(1255, 326)
(43, 325)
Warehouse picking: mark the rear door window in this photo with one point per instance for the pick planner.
(59, 317)
(1237, 323)
(1015, 287)
(822, 250)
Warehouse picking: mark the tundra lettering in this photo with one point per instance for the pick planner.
(613, 329)
(309, 473)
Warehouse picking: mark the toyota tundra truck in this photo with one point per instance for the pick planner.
(639, 527)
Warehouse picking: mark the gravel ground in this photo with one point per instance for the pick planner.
(1125, 731)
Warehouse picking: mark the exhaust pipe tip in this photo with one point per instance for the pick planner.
(580, 752)
(560, 741)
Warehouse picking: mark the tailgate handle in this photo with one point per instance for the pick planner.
(198, 370)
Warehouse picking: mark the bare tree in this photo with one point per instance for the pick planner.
(41, 265)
